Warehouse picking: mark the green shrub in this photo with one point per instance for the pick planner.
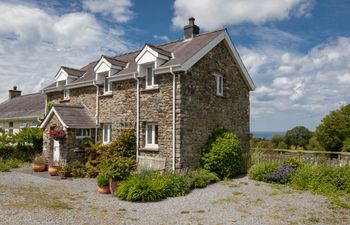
(222, 154)
(78, 169)
(258, 171)
(200, 178)
(102, 180)
(6, 165)
(118, 168)
(323, 179)
(294, 162)
(177, 185)
(150, 185)
(145, 186)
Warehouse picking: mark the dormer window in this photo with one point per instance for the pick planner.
(107, 67)
(149, 59)
(151, 78)
(67, 75)
(66, 94)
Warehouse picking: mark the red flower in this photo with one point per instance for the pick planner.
(57, 134)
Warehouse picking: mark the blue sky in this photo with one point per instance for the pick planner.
(297, 51)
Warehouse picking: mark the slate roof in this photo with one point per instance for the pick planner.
(73, 72)
(114, 61)
(74, 116)
(182, 50)
(25, 106)
(160, 50)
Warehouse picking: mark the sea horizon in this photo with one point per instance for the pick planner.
(267, 134)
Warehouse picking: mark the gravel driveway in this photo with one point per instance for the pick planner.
(26, 198)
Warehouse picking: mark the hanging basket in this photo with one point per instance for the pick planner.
(57, 135)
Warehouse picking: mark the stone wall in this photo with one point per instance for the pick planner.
(54, 97)
(156, 106)
(82, 95)
(119, 108)
(85, 96)
(202, 111)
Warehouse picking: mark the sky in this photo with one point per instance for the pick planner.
(296, 51)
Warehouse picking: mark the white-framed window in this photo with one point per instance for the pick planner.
(66, 94)
(151, 135)
(107, 85)
(151, 78)
(106, 134)
(219, 85)
(82, 133)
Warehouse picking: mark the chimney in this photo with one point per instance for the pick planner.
(191, 29)
(14, 93)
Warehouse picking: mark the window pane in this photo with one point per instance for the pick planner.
(149, 134)
(106, 84)
(220, 84)
(109, 132)
(156, 134)
(149, 76)
(109, 86)
(105, 133)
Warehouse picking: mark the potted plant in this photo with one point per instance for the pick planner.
(54, 170)
(57, 135)
(65, 172)
(118, 169)
(39, 164)
(103, 184)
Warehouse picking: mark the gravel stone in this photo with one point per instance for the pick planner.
(238, 201)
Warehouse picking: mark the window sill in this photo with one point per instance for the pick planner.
(220, 96)
(65, 100)
(108, 94)
(154, 88)
(149, 149)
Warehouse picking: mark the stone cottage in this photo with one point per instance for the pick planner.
(174, 95)
(21, 111)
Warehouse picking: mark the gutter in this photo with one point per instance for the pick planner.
(97, 109)
(137, 115)
(174, 105)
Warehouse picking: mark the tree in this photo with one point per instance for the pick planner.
(277, 139)
(346, 145)
(298, 136)
(314, 144)
(334, 129)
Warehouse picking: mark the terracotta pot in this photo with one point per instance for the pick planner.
(54, 170)
(38, 167)
(104, 190)
(113, 184)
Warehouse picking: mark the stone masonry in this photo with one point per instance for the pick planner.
(199, 111)
(202, 111)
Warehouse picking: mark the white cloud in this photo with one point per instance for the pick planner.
(344, 79)
(161, 38)
(35, 43)
(119, 10)
(299, 87)
(214, 14)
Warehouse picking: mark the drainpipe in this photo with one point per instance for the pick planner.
(97, 110)
(174, 105)
(137, 115)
